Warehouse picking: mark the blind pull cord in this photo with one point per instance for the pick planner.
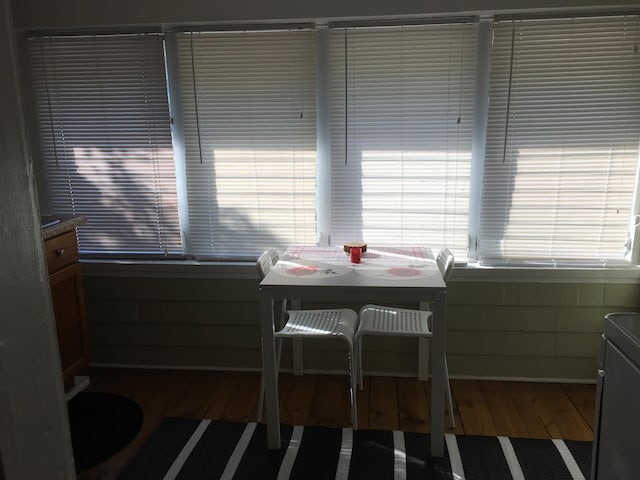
(346, 98)
(506, 126)
(46, 86)
(195, 96)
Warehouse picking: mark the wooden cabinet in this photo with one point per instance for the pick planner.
(65, 279)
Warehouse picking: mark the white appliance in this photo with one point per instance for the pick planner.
(616, 446)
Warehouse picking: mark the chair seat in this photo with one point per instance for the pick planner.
(340, 323)
(387, 321)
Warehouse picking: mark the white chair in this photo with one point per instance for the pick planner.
(338, 324)
(401, 322)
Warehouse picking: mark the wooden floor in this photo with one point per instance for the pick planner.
(516, 409)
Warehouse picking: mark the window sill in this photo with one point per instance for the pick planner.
(247, 270)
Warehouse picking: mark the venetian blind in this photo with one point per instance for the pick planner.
(562, 141)
(106, 141)
(249, 121)
(401, 122)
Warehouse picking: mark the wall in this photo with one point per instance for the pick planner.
(34, 432)
(495, 329)
(31, 14)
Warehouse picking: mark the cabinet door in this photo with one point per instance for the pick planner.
(68, 306)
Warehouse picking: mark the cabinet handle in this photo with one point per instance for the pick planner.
(60, 252)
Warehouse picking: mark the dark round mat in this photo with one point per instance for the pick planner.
(101, 425)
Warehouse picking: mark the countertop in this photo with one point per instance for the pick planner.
(54, 225)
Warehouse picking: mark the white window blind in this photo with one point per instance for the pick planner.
(106, 140)
(250, 131)
(401, 122)
(562, 141)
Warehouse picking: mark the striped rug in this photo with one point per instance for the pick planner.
(204, 449)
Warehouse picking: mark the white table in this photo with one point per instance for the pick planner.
(385, 275)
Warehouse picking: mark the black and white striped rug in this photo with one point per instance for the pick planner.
(204, 449)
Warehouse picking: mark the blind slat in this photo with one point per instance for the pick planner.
(106, 140)
(407, 97)
(562, 140)
(249, 121)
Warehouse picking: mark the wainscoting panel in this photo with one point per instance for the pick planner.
(495, 329)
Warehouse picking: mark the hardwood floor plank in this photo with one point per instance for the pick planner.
(193, 394)
(383, 403)
(503, 411)
(583, 397)
(297, 398)
(567, 422)
(363, 399)
(414, 411)
(531, 410)
(244, 406)
(474, 412)
(111, 380)
(226, 385)
(325, 408)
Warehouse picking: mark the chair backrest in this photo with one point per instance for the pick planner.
(445, 262)
(266, 261)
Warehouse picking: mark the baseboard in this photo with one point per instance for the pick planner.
(80, 383)
(584, 381)
(334, 372)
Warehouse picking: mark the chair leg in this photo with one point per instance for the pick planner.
(261, 394)
(296, 343)
(424, 356)
(354, 360)
(352, 387)
(452, 419)
(358, 372)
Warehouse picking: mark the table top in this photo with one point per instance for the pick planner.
(384, 267)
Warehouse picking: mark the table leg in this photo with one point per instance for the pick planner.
(439, 327)
(269, 371)
(296, 343)
(423, 351)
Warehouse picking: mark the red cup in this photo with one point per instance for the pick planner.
(356, 254)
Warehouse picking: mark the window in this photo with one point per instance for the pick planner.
(401, 126)
(250, 140)
(106, 142)
(562, 141)
(295, 135)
